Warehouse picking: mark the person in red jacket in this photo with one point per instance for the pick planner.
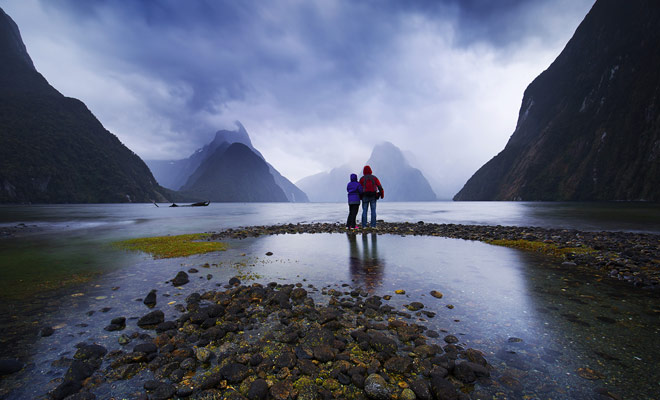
(372, 191)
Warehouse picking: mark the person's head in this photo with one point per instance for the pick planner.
(366, 170)
(353, 178)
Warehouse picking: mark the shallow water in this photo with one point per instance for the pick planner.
(537, 322)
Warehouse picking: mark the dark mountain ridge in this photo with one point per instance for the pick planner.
(53, 148)
(589, 126)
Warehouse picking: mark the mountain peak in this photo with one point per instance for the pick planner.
(387, 153)
(11, 44)
(239, 135)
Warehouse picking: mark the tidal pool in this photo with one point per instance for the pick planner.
(549, 331)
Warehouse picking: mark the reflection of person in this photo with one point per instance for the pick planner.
(365, 266)
(372, 191)
(354, 190)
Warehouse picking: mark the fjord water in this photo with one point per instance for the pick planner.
(539, 323)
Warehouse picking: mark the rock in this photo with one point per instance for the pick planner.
(467, 372)
(9, 366)
(270, 253)
(436, 294)
(422, 389)
(281, 390)
(380, 342)
(415, 306)
(166, 326)
(150, 299)
(46, 331)
(443, 389)
(324, 353)
(234, 281)
(258, 390)
(123, 339)
(193, 271)
(180, 279)
(203, 354)
(152, 319)
(234, 372)
(399, 365)
(81, 396)
(90, 352)
(451, 339)
(163, 391)
(64, 389)
(400, 291)
(146, 348)
(376, 387)
(407, 394)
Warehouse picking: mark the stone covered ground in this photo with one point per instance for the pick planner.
(275, 342)
(627, 256)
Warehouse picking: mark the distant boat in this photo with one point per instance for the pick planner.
(199, 204)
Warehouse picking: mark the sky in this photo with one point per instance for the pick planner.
(316, 83)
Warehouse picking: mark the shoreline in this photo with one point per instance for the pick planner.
(625, 256)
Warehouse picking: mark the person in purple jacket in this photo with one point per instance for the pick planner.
(354, 190)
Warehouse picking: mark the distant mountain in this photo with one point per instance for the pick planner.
(589, 126)
(400, 181)
(174, 174)
(234, 173)
(329, 186)
(53, 149)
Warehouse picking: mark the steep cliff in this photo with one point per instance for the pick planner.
(53, 149)
(589, 126)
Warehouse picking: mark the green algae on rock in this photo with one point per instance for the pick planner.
(173, 246)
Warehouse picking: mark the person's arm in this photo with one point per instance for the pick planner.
(381, 192)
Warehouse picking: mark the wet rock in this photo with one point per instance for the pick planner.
(150, 299)
(324, 353)
(281, 390)
(270, 253)
(441, 388)
(64, 389)
(380, 342)
(193, 270)
(90, 352)
(467, 372)
(422, 389)
(10, 366)
(258, 390)
(234, 281)
(152, 319)
(451, 339)
(415, 306)
(436, 294)
(376, 387)
(123, 339)
(234, 372)
(407, 394)
(399, 365)
(203, 354)
(163, 391)
(47, 331)
(81, 396)
(180, 279)
(146, 348)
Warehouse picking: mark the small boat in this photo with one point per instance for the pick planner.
(198, 204)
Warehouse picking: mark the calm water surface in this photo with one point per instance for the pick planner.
(537, 322)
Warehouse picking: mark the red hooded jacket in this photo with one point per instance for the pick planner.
(370, 182)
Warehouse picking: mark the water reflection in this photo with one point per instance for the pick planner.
(365, 267)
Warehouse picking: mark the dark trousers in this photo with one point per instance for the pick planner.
(352, 214)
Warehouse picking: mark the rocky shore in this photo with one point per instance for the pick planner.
(276, 342)
(626, 256)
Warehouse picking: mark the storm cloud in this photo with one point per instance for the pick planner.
(316, 83)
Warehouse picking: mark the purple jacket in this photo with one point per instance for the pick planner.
(354, 190)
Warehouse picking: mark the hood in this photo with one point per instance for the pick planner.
(366, 170)
(353, 178)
